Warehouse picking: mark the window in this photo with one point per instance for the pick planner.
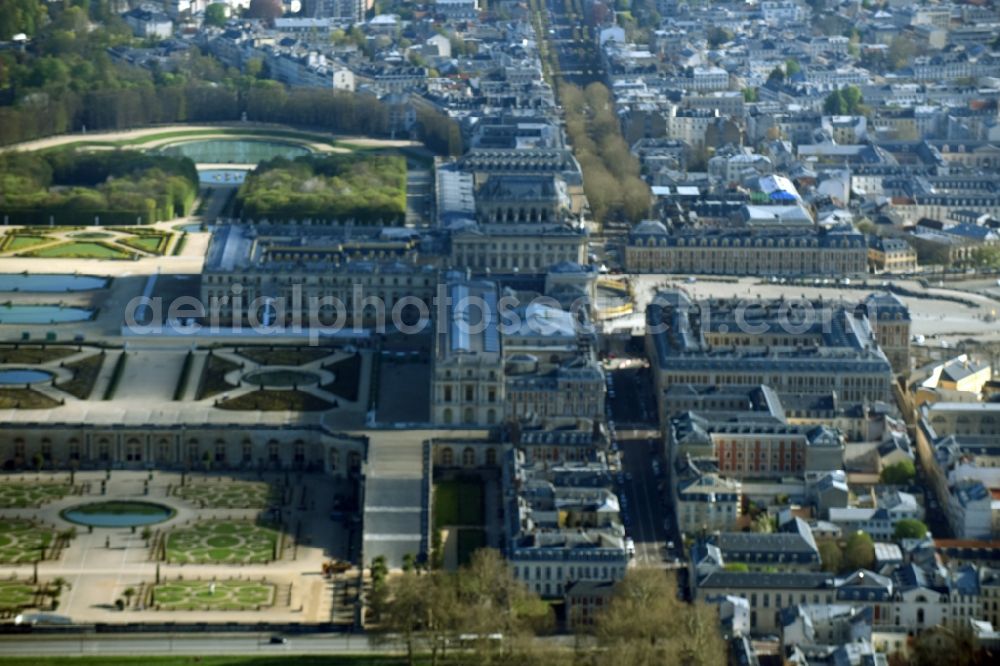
(469, 459)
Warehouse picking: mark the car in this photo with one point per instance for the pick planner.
(278, 640)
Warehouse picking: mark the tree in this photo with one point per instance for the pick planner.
(646, 623)
(423, 611)
(17, 16)
(763, 523)
(792, 67)
(265, 9)
(831, 556)
(909, 528)
(834, 104)
(852, 98)
(955, 646)
(215, 14)
(901, 51)
(483, 599)
(777, 75)
(859, 553)
(986, 257)
(898, 474)
(717, 36)
(128, 594)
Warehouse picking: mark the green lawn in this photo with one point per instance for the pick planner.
(284, 355)
(346, 377)
(85, 372)
(229, 494)
(213, 377)
(223, 542)
(151, 243)
(34, 355)
(24, 495)
(458, 503)
(80, 250)
(22, 398)
(15, 595)
(469, 541)
(269, 400)
(19, 242)
(192, 595)
(22, 541)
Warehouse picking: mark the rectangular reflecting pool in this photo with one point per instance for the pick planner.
(50, 282)
(42, 314)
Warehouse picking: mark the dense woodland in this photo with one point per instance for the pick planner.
(369, 188)
(64, 80)
(118, 186)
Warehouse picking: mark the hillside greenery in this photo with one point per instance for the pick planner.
(362, 187)
(67, 80)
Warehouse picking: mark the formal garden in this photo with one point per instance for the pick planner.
(222, 542)
(18, 595)
(25, 398)
(24, 541)
(22, 495)
(72, 243)
(229, 494)
(276, 400)
(211, 595)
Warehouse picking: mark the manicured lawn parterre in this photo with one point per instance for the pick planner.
(23, 242)
(85, 372)
(222, 542)
(228, 494)
(34, 355)
(346, 377)
(211, 595)
(458, 503)
(15, 595)
(268, 400)
(32, 494)
(145, 243)
(284, 355)
(22, 398)
(23, 541)
(213, 377)
(80, 250)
